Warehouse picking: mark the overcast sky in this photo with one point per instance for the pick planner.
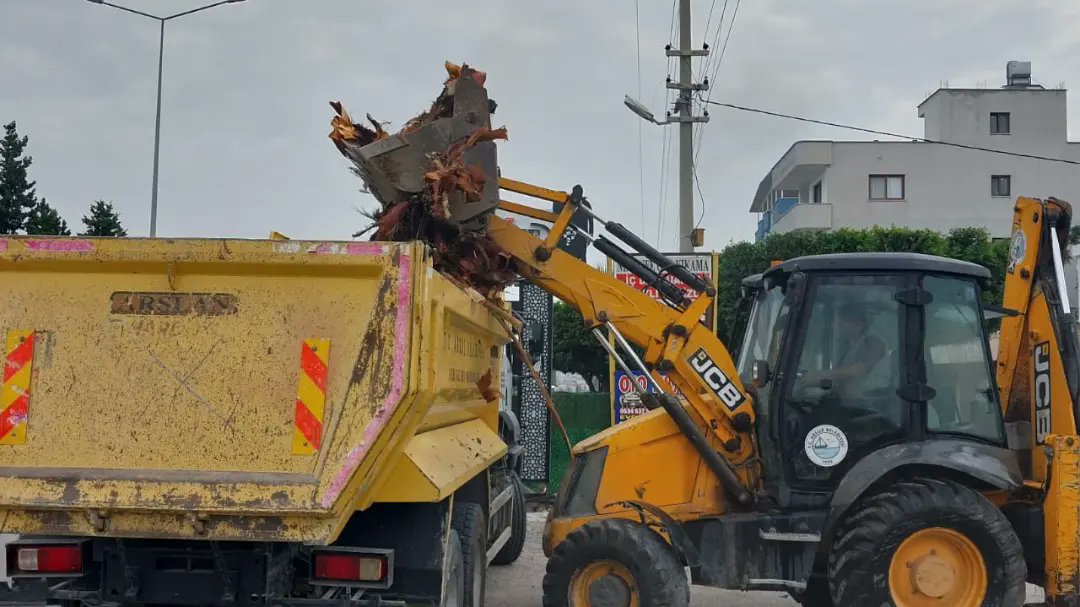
(244, 148)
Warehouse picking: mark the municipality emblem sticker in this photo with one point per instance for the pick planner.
(1017, 249)
(826, 445)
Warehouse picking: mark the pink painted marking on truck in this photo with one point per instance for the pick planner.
(3, 246)
(397, 385)
(337, 248)
(366, 248)
(60, 246)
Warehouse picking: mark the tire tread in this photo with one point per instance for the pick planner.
(855, 580)
(660, 576)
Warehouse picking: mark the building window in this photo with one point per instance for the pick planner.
(886, 187)
(815, 194)
(1001, 185)
(999, 123)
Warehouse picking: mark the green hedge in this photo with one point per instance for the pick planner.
(742, 259)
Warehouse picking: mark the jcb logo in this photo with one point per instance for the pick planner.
(713, 377)
(1041, 356)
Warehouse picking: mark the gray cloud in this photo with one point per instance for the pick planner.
(244, 147)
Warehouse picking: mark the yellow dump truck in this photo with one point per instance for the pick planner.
(242, 422)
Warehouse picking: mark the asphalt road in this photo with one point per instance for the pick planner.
(518, 585)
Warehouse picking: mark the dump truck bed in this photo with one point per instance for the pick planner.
(226, 389)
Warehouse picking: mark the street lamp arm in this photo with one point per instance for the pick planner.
(201, 8)
(126, 9)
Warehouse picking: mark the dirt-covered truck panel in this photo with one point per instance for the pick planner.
(226, 389)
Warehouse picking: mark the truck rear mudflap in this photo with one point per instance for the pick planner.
(221, 389)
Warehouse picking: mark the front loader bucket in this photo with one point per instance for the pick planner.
(393, 168)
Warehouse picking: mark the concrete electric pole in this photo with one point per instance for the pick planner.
(684, 116)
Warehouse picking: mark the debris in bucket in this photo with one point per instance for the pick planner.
(438, 178)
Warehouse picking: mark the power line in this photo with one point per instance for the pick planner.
(641, 123)
(708, 21)
(731, 26)
(719, 60)
(716, 39)
(673, 31)
(701, 197)
(663, 179)
(888, 134)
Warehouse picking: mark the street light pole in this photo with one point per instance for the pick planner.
(157, 117)
(157, 133)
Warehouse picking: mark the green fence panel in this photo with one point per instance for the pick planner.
(583, 414)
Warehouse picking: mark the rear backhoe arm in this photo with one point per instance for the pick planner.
(1038, 376)
(676, 344)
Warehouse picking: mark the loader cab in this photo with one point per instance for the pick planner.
(851, 353)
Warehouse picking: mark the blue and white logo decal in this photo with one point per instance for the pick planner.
(826, 445)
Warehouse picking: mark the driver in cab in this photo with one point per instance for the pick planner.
(859, 353)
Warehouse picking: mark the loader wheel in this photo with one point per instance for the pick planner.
(615, 563)
(923, 543)
(453, 573)
(469, 522)
(512, 550)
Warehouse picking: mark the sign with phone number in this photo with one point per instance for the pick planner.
(628, 400)
(625, 400)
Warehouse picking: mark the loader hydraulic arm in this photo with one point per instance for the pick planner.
(675, 343)
(437, 182)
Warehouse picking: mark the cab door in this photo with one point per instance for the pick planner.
(845, 367)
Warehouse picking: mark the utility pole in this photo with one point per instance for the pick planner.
(684, 116)
(686, 132)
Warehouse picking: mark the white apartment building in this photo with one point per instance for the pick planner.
(823, 185)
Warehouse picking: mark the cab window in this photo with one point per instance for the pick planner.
(958, 363)
(761, 340)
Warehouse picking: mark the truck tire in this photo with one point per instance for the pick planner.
(513, 547)
(453, 573)
(927, 538)
(471, 526)
(615, 563)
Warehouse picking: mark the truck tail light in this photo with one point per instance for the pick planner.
(49, 559)
(352, 567)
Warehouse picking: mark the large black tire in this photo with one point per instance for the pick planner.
(454, 570)
(868, 538)
(658, 578)
(468, 521)
(513, 547)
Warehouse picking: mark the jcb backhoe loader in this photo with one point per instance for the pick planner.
(861, 447)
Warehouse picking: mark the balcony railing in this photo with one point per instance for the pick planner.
(782, 206)
(764, 226)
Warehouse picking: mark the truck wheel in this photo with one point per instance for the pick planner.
(615, 563)
(512, 549)
(927, 542)
(469, 522)
(454, 573)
